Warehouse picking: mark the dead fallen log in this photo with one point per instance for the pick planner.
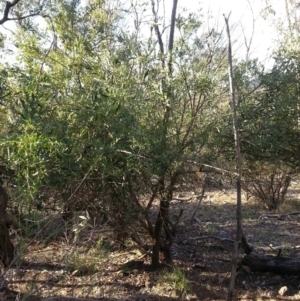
(278, 216)
(222, 239)
(276, 248)
(274, 264)
(230, 241)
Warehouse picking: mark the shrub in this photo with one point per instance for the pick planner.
(268, 184)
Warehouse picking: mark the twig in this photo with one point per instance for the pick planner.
(212, 237)
(291, 298)
(54, 40)
(239, 228)
(276, 248)
(248, 45)
(46, 224)
(183, 199)
(80, 184)
(200, 198)
(158, 34)
(278, 216)
(210, 168)
(59, 298)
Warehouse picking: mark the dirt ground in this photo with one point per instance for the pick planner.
(89, 267)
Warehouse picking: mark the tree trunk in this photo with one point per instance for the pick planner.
(6, 246)
(163, 222)
(162, 219)
(155, 254)
(239, 229)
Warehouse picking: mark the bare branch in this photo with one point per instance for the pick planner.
(239, 228)
(24, 17)
(157, 31)
(9, 5)
(171, 39)
(248, 44)
(288, 15)
(52, 46)
(200, 198)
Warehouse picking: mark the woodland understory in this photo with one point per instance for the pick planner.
(97, 266)
(146, 153)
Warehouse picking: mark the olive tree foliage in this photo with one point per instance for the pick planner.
(270, 117)
(269, 127)
(268, 109)
(102, 112)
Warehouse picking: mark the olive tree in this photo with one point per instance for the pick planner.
(108, 116)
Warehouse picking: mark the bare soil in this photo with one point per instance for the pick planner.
(91, 266)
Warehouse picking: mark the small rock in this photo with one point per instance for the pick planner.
(277, 278)
(246, 285)
(246, 269)
(18, 273)
(203, 278)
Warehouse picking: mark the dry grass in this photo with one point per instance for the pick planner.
(89, 266)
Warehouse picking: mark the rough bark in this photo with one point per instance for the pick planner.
(161, 223)
(6, 246)
(163, 243)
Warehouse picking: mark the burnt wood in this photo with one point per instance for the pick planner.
(275, 264)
